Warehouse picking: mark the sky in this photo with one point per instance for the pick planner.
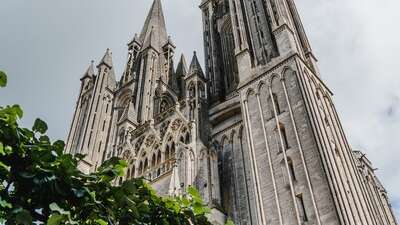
(46, 46)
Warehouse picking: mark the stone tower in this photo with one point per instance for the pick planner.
(256, 131)
(282, 150)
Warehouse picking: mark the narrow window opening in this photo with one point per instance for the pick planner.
(140, 168)
(284, 137)
(159, 157)
(90, 138)
(276, 103)
(172, 150)
(97, 104)
(99, 147)
(300, 203)
(104, 125)
(167, 153)
(187, 138)
(291, 169)
(94, 120)
(146, 165)
(128, 174)
(104, 156)
(153, 161)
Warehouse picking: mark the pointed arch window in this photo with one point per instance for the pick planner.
(276, 103)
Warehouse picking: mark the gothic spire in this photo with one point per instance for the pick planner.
(154, 27)
(107, 59)
(181, 70)
(151, 40)
(195, 66)
(89, 72)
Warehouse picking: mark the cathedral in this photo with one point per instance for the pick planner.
(255, 131)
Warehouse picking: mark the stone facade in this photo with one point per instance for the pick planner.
(257, 133)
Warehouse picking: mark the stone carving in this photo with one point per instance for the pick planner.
(126, 155)
(150, 140)
(164, 128)
(176, 124)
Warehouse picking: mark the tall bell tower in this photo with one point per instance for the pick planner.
(283, 155)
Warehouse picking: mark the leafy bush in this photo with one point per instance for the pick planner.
(42, 185)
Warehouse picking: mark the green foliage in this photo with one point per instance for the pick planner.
(39, 183)
(3, 79)
(229, 222)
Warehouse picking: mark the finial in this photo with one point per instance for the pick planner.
(194, 52)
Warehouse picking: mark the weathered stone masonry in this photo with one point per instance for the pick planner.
(257, 132)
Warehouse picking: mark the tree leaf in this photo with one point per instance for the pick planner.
(18, 111)
(101, 222)
(5, 204)
(39, 126)
(55, 219)
(2, 149)
(3, 79)
(59, 146)
(4, 166)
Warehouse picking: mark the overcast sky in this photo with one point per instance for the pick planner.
(46, 45)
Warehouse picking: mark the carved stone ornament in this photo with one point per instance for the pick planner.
(150, 140)
(139, 143)
(176, 124)
(126, 155)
